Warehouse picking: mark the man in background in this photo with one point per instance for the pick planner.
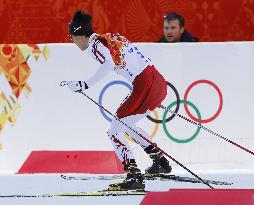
(174, 30)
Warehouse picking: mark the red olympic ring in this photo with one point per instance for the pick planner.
(220, 105)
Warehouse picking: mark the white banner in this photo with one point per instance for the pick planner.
(215, 79)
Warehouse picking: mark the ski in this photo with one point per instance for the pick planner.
(162, 177)
(191, 179)
(81, 194)
(104, 193)
(98, 177)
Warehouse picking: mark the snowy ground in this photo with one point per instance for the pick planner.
(48, 184)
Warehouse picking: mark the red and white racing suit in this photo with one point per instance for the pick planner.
(115, 52)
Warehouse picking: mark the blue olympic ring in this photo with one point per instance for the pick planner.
(116, 82)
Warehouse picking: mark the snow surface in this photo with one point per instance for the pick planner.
(37, 184)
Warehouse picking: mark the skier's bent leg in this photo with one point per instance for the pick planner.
(133, 131)
(134, 179)
(160, 163)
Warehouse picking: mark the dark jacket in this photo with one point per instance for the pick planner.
(186, 37)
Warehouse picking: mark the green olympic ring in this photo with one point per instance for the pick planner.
(166, 130)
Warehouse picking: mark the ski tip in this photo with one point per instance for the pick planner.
(65, 177)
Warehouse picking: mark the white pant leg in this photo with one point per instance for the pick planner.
(118, 140)
(136, 131)
(139, 140)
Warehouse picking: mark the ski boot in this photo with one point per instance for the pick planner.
(133, 181)
(160, 163)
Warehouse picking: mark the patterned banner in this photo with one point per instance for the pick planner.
(15, 72)
(140, 21)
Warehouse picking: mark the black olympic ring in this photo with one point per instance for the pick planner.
(177, 106)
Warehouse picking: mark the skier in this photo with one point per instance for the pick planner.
(115, 52)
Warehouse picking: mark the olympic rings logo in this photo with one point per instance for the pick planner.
(176, 103)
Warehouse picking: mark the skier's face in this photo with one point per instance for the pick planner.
(80, 41)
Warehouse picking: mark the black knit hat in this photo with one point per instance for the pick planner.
(81, 24)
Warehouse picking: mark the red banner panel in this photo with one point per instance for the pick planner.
(94, 162)
(201, 197)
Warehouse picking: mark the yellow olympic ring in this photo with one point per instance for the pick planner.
(152, 134)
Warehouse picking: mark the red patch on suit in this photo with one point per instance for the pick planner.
(149, 90)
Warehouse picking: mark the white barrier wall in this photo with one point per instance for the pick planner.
(50, 117)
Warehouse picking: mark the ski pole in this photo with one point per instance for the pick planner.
(207, 129)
